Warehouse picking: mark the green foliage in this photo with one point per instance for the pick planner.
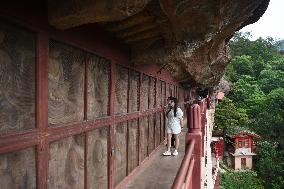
(243, 89)
(277, 64)
(270, 165)
(240, 180)
(271, 79)
(228, 115)
(270, 123)
(254, 105)
(256, 101)
(264, 49)
(241, 65)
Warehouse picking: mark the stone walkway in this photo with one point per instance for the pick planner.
(161, 171)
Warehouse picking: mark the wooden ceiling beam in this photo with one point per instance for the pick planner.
(143, 36)
(137, 29)
(128, 23)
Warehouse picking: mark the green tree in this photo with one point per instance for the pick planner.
(244, 89)
(254, 105)
(270, 122)
(240, 180)
(257, 96)
(271, 79)
(277, 64)
(270, 165)
(240, 65)
(265, 49)
(228, 115)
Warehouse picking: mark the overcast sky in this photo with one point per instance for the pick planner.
(271, 23)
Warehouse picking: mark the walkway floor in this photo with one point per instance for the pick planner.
(161, 171)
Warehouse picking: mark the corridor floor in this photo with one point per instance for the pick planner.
(161, 171)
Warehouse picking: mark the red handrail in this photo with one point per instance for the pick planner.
(188, 178)
(184, 173)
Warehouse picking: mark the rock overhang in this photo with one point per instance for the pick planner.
(189, 36)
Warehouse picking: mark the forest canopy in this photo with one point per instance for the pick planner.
(256, 102)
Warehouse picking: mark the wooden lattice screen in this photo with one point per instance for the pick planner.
(70, 118)
(17, 103)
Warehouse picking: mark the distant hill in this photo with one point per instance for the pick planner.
(280, 46)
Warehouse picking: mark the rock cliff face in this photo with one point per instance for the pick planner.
(187, 37)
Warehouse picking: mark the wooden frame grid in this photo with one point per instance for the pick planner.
(42, 135)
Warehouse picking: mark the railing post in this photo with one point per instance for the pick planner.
(194, 132)
(203, 107)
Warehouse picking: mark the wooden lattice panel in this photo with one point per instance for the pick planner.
(134, 91)
(159, 93)
(17, 169)
(97, 158)
(66, 163)
(17, 79)
(151, 142)
(164, 95)
(158, 130)
(163, 130)
(144, 128)
(145, 92)
(120, 152)
(169, 88)
(98, 86)
(121, 88)
(152, 101)
(180, 94)
(132, 145)
(66, 72)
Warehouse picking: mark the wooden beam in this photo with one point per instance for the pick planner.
(129, 22)
(136, 30)
(143, 36)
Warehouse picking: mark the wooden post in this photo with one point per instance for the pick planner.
(194, 125)
(140, 120)
(203, 122)
(111, 131)
(42, 110)
(128, 122)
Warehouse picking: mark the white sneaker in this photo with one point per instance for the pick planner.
(175, 153)
(167, 153)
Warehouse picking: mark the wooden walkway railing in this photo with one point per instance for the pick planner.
(189, 173)
(183, 177)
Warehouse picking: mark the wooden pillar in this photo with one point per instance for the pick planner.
(140, 120)
(203, 107)
(42, 110)
(128, 123)
(194, 133)
(111, 131)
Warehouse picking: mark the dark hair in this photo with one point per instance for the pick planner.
(175, 107)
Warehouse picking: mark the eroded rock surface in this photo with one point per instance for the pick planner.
(188, 37)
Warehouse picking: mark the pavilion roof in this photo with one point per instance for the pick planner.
(237, 131)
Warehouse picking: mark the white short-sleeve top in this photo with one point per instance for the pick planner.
(173, 121)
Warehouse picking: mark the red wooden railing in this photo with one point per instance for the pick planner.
(183, 177)
(191, 163)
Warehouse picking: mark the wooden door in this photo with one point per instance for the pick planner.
(243, 163)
